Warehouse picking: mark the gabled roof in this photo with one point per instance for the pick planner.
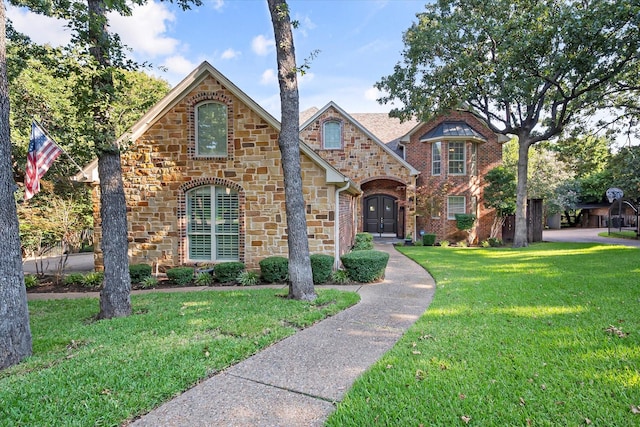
(363, 129)
(452, 130)
(204, 70)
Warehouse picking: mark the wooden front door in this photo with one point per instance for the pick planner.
(380, 214)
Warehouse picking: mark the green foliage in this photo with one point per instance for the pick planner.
(204, 279)
(365, 266)
(93, 279)
(321, 267)
(148, 282)
(624, 167)
(465, 221)
(429, 239)
(363, 242)
(30, 281)
(494, 242)
(181, 276)
(139, 272)
(340, 277)
(274, 269)
(76, 279)
(109, 372)
(444, 243)
(228, 271)
(500, 192)
(249, 278)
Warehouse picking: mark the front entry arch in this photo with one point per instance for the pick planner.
(380, 214)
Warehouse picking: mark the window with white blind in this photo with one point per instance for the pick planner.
(457, 158)
(211, 129)
(436, 158)
(213, 228)
(455, 205)
(332, 135)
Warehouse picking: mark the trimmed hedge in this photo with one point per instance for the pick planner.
(274, 269)
(321, 267)
(180, 275)
(139, 272)
(363, 242)
(365, 266)
(429, 239)
(228, 271)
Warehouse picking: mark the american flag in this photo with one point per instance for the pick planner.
(42, 153)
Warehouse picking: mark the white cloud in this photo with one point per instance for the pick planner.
(41, 29)
(268, 77)
(179, 65)
(144, 30)
(261, 45)
(230, 54)
(372, 94)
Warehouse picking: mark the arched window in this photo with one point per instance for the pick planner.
(213, 224)
(211, 129)
(332, 135)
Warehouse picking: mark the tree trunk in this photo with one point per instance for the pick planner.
(15, 332)
(300, 275)
(115, 299)
(520, 232)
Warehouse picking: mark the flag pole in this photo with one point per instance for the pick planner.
(61, 149)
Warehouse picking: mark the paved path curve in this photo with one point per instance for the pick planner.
(297, 381)
(585, 235)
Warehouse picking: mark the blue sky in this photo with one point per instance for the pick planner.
(359, 41)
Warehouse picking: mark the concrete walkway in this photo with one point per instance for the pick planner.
(586, 235)
(299, 380)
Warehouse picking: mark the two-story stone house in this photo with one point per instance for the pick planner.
(203, 177)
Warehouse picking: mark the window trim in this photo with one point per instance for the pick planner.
(437, 162)
(452, 215)
(463, 160)
(213, 233)
(324, 138)
(196, 129)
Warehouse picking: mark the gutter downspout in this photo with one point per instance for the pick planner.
(336, 225)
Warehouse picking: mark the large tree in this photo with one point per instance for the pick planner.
(300, 275)
(15, 333)
(526, 68)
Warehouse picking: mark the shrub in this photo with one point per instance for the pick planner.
(494, 242)
(365, 266)
(93, 279)
(148, 282)
(248, 278)
(340, 276)
(444, 243)
(138, 272)
(73, 279)
(204, 279)
(180, 275)
(30, 281)
(274, 269)
(429, 239)
(462, 244)
(228, 271)
(321, 267)
(465, 221)
(363, 242)
(485, 244)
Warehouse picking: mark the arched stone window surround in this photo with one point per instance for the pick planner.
(322, 126)
(192, 103)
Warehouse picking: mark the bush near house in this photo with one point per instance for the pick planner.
(139, 272)
(321, 268)
(274, 269)
(429, 239)
(363, 242)
(180, 275)
(365, 266)
(228, 271)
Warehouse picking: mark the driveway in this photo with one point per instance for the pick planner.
(80, 263)
(586, 235)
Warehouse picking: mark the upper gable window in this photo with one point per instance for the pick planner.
(457, 158)
(332, 135)
(211, 129)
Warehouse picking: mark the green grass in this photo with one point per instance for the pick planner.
(624, 234)
(527, 337)
(88, 373)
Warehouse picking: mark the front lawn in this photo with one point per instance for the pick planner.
(547, 335)
(86, 372)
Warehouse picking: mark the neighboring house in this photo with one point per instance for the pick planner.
(203, 178)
